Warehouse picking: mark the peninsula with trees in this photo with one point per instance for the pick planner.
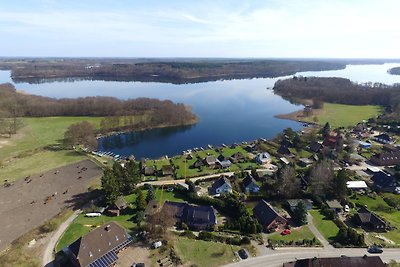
(175, 71)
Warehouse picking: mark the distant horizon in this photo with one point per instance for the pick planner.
(194, 57)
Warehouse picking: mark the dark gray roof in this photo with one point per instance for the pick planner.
(367, 217)
(315, 146)
(384, 181)
(99, 242)
(265, 213)
(248, 180)
(218, 183)
(383, 136)
(334, 204)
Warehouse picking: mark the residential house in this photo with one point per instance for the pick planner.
(263, 158)
(363, 261)
(268, 217)
(197, 164)
(152, 207)
(210, 161)
(149, 170)
(223, 161)
(117, 207)
(250, 147)
(331, 141)
(370, 220)
(99, 247)
(334, 205)
(356, 185)
(167, 170)
(284, 160)
(284, 151)
(292, 203)
(386, 158)
(305, 162)
(385, 182)
(237, 157)
(364, 145)
(221, 186)
(315, 147)
(250, 185)
(196, 217)
(383, 138)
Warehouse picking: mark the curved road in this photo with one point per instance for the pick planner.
(47, 259)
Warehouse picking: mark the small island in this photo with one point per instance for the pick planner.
(394, 71)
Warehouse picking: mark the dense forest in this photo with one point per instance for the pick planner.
(338, 90)
(157, 112)
(394, 71)
(170, 71)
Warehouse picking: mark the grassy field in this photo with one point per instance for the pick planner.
(338, 115)
(326, 227)
(297, 234)
(346, 115)
(24, 153)
(40, 132)
(204, 253)
(29, 165)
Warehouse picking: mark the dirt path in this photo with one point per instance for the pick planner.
(170, 182)
(29, 202)
(47, 259)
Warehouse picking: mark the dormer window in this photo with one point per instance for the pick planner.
(90, 254)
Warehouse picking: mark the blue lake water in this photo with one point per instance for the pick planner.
(230, 111)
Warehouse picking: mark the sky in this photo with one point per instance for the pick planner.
(216, 28)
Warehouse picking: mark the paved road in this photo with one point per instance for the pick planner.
(47, 259)
(317, 234)
(277, 257)
(169, 182)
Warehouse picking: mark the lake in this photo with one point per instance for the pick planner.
(230, 111)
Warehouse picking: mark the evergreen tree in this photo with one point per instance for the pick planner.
(326, 130)
(140, 201)
(340, 181)
(150, 195)
(300, 213)
(111, 186)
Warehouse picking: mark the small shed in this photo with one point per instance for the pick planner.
(334, 205)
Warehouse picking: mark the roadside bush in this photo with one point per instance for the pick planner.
(245, 240)
(188, 234)
(48, 227)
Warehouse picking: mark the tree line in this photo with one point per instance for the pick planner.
(338, 90)
(14, 105)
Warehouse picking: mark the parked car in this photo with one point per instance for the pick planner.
(157, 244)
(375, 249)
(286, 232)
(140, 264)
(170, 189)
(346, 208)
(243, 254)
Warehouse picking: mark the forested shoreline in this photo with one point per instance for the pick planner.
(339, 90)
(394, 71)
(166, 71)
(118, 114)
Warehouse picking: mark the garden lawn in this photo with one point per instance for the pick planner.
(205, 253)
(171, 196)
(297, 234)
(326, 227)
(83, 225)
(346, 115)
(33, 164)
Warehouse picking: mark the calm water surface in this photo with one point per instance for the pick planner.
(229, 111)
